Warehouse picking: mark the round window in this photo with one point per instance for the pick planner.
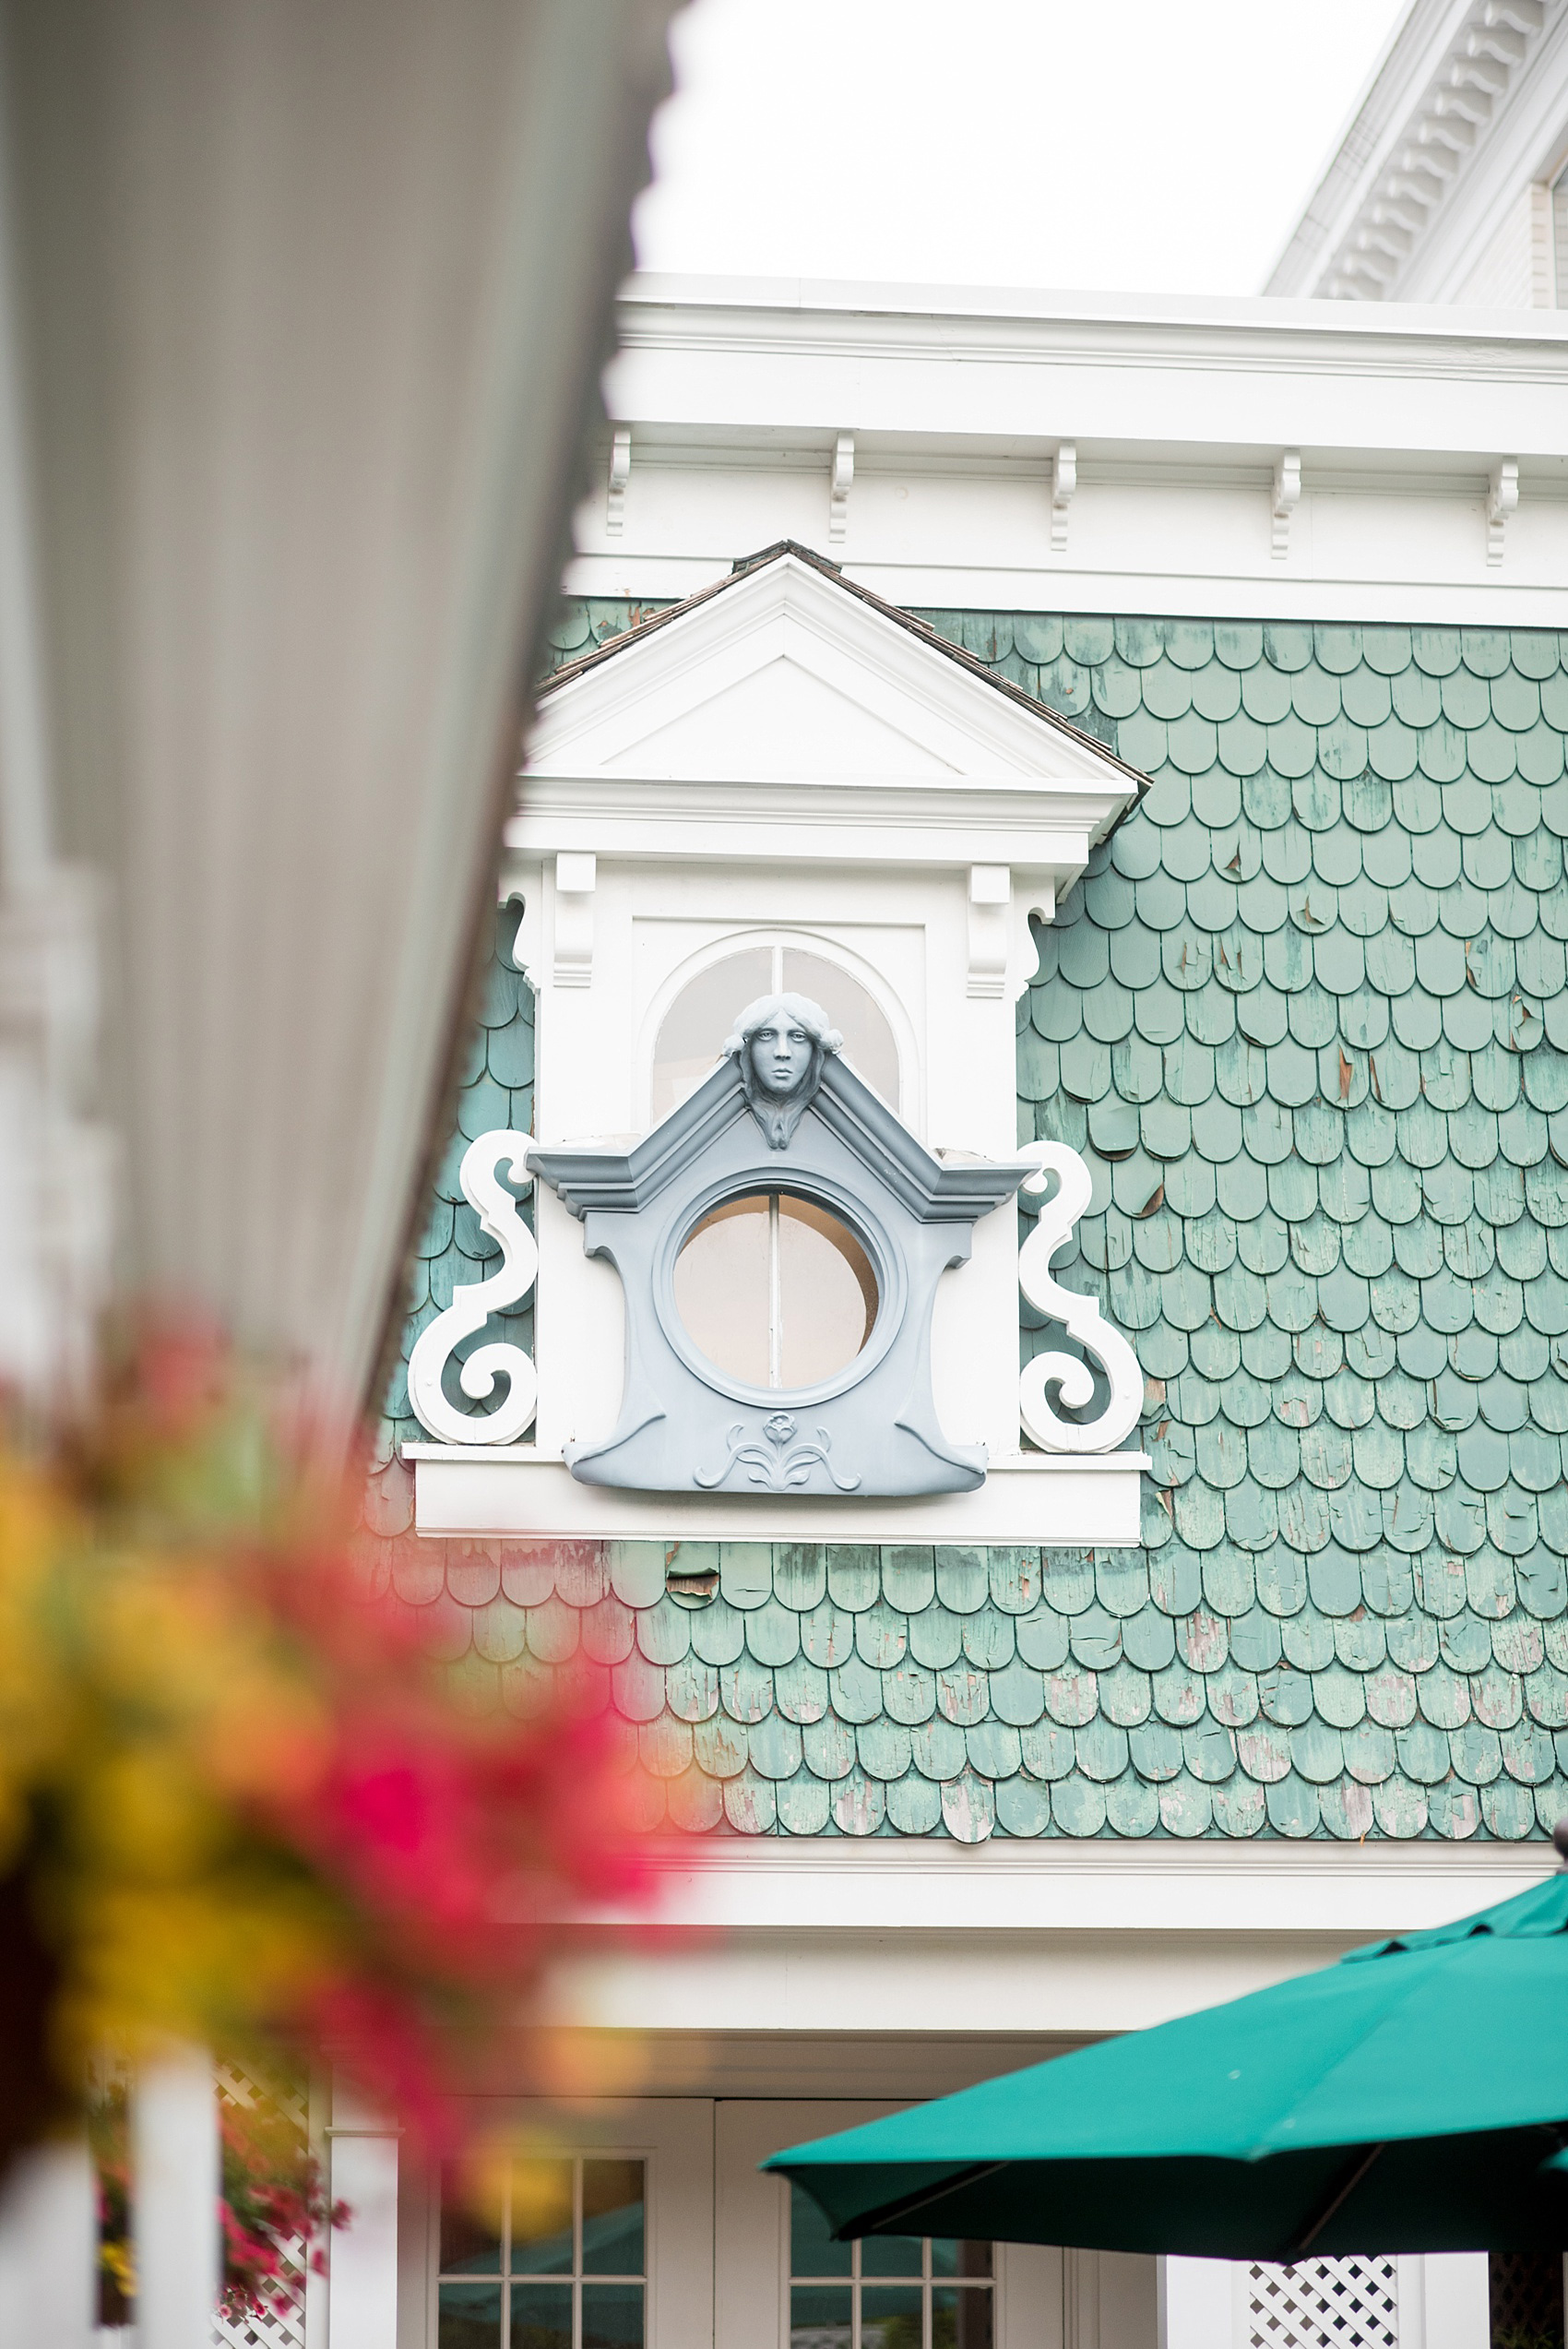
(775, 1292)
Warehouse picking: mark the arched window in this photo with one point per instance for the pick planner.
(692, 1034)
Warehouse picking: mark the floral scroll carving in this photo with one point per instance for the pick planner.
(786, 1467)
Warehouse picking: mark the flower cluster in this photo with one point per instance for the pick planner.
(237, 1804)
(273, 2213)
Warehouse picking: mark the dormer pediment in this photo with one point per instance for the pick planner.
(792, 681)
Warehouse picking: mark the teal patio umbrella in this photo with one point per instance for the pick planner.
(1413, 2097)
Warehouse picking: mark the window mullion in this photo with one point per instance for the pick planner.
(774, 1297)
(506, 2264)
(577, 2251)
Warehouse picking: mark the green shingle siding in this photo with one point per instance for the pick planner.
(1305, 1018)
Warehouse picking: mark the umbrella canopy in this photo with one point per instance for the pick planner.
(1413, 2097)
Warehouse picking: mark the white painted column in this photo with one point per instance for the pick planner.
(49, 2251)
(1457, 2307)
(362, 2285)
(1196, 2304)
(176, 2180)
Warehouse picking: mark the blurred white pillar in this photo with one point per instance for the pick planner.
(363, 2289)
(1196, 2304)
(176, 2182)
(1456, 2302)
(49, 2251)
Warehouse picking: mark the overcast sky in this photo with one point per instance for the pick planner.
(1135, 146)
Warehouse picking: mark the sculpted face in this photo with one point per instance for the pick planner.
(781, 1057)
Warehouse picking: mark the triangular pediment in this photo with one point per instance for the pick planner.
(786, 671)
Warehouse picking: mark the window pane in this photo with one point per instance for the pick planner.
(469, 2317)
(950, 2257)
(819, 2316)
(811, 2249)
(612, 2218)
(890, 2255)
(612, 2316)
(541, 2316)
(960, 2318)
(868, 1039)
(542, 2218)
(694, 1027)
(829, 1293)
(890, 2317)
(696, 1024)
(470, 2245)
(721, 1289)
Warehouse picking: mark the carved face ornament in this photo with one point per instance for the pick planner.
(782, 1057)
(781, 1042)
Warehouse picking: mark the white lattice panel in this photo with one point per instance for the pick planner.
(272, 2328)
(1323, 2304)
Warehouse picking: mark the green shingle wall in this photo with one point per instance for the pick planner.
(1305, 1018)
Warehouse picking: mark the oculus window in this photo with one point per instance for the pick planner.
(775, 1292)
(886, 2291)
(692, 1034)
(562, 2265)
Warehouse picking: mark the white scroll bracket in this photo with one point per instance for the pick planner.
(472, 1304)
(1068, 1374)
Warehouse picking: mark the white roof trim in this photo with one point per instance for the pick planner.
(1428, 119)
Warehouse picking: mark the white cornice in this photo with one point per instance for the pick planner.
(1443, 103)
(1180, 414)
(914, 821)
(953, 371)
(764, 1935)
(1058, 1886)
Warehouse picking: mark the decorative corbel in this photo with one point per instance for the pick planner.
(577, 877)
(620, 475)
(991, 894)
(1286, 497)
(1501, 499)
(843, 474)
(1080, 1316)
(472, 1304)
(1063, 487)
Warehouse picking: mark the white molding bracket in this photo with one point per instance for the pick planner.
(843, 476)
(474, 1301)
(1064, 489)
(1080, 1316)
(620, 475)
(1286, 497)
(990, 896)
(576, 881)
(1501, 499)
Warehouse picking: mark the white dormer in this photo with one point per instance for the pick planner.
(785, 784)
